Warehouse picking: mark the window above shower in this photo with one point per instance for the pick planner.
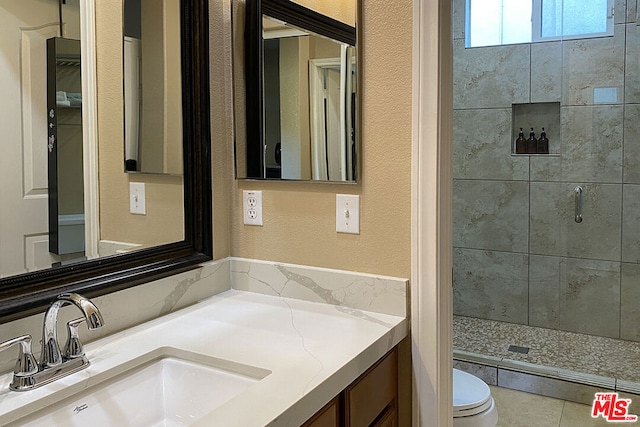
(503, 22)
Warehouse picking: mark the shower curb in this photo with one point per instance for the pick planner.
(539, 379)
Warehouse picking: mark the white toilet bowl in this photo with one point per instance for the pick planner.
(473, 405)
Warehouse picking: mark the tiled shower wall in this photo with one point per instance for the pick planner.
(519, 256)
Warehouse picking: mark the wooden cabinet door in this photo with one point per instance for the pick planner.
(329, 416)
(374, 395)
(389, 419)
(370, 401)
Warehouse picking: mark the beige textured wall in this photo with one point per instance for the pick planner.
(342, 10)
(152, 75)
(299, 218)
(294, 108)
(173, 159)
(164, 220)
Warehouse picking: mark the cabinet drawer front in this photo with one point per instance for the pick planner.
(377, 389)
(388, 420)
(326, 417)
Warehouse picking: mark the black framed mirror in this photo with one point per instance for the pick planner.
(301, 95)
(25, 294)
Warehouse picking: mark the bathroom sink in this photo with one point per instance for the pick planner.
(167, 387)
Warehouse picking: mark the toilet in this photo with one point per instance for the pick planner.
(473, 405)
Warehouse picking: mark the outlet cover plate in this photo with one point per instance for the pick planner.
(348, 213)
(252, 207)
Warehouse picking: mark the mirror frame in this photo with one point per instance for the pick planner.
(303, 18)
(26, 294)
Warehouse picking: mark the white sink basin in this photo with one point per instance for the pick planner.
(167, 387)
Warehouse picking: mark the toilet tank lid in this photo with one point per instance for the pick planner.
(468, 391)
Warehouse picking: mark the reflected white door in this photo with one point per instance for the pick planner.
(25, 26)
(326, 119)
(333, 125)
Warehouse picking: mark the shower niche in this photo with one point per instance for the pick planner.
(534, 117)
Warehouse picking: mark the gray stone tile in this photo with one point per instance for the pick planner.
(459, 19)
(565, 292)
(590, 297)
(491, 215)
(631, 223)
(632, 69)
(544, 291)
(590, 147)
(546, 72)
(495, 76)
(576, 295)
(488, 374)
(490, 285)
(593, 63)
(631, 147)
(553, 227)
(632, 11)
(621, 11)
(630, 298)
(482, 146)
(551, 387)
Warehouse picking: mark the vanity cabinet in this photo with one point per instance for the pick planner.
(371, 400)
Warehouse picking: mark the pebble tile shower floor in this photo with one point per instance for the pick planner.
(580, 353)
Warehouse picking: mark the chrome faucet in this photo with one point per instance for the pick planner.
(54, 364)
(51, 355)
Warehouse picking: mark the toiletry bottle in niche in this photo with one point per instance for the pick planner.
(521, 143)
(532, 143)
(543, 143)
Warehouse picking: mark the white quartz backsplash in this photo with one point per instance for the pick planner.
(349, 291)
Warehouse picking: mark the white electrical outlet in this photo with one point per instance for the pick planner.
(137, 201)
(252, 207)
(348, 213)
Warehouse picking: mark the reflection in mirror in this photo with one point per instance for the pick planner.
(45, 169)
(25, 27)
(65, 174)
(309, 105)
(152, 86)
(300, 95)
(138, 211)
(173, 235)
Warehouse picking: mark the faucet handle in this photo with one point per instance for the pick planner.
(26, 364)
(73, 348)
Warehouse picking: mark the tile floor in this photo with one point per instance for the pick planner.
(519, 409)
(581, 353)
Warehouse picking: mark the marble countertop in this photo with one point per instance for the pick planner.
(313, 351)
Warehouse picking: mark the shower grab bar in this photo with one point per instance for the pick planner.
(578, 200)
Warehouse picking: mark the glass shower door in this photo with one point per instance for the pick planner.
(550, 241)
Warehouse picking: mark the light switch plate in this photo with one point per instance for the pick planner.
(348, 213)
(252, 207)
(137, 200)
